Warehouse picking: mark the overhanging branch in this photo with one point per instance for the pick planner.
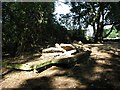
(113, 23)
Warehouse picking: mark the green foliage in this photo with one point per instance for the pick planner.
(29, 26)
(113, 34)
(77, 35)
(24, 25)
(96, 14)
(32, 25)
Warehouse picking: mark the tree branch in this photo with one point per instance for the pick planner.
(114, 23)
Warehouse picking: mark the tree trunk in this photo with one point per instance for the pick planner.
(100, 26)
(70, 61)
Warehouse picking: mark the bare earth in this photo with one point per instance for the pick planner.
(101, 71)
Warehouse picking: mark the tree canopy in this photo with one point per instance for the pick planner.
(96, 14)
(28, 26)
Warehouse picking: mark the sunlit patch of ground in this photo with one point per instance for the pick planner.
(101, 71)
(103, 62)
(65, 82)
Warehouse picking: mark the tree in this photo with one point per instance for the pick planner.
(96, 14)
(24, 25)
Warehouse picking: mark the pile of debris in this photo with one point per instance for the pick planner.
(65, 49)
(60, 49)
(62, 54)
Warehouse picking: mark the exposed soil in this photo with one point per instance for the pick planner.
(102, 70)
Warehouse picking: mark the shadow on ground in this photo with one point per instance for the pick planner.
(95, 73)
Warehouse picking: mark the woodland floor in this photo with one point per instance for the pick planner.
(101, 71)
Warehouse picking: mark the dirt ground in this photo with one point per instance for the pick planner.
(102, 70)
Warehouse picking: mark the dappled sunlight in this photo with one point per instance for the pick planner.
(53, 77)
(56, 78)
(66, 82)
(17, 77)
(98, 69)
(92, 76)
(95, 49)
(100, 55)
(108, 70)
(103, 62)
(44, 48)
(112, 50)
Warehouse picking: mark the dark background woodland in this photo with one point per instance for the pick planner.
(31, 26)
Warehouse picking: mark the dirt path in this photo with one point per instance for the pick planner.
(101, 71)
